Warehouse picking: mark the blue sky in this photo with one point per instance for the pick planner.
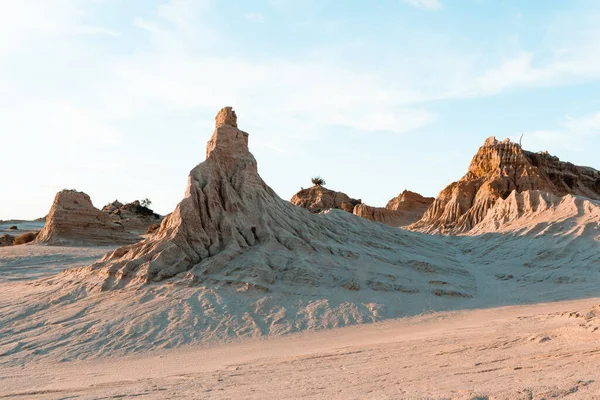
(117, 98)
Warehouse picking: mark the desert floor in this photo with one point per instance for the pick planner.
(537, 351)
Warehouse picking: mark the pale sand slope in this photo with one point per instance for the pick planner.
(56, 319)
(398, 274)
(541, 351)
(31, 261)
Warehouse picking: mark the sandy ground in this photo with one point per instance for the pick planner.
(31, 261)
(520, 352)
(23, 227)
(528, 329)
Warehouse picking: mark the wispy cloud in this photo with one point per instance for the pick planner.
(428, 4)
(255, 17)
(176, 64)
(24, 22)
(572, 134)
(94, 30)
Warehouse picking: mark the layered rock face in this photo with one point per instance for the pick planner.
(402, 210)
(318, 198)
(534, 212)
(132, 216)
(73, 219)
(498, 169)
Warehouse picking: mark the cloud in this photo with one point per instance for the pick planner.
(573, 134)
(307, 95)
(29, 22)
(520, 72)
(92, 101)
(94, 30)
(427, 4)
(584, 126)
(255, 17)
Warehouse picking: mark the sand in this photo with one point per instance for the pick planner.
(521, 352)
(170, 341)
(56, 317)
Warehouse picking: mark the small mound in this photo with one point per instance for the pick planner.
(25, 238)
(6, 240)
(73, 219)
(133, 216)
(404, 209)
(318, 198)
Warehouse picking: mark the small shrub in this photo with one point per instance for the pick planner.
(25, 238)
(152, 228)
(318, 181)
(146, 202)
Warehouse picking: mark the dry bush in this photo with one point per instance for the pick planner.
(25, 238)
(317, 180)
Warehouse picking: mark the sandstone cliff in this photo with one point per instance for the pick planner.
(73, 219)
(132, 216)
(318, 198)
(402, 210)
(498, 169)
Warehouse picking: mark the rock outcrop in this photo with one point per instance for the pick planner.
(73, 219)
(534, 212)
(235, 260)
(6, 240)
(498, 169)
(232, 230)
(404, 209)
(318, 198)
(132, 216)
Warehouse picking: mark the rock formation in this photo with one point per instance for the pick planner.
(235, 260)
(73, 219)
(6, 240)
(402, 210)
(318, 198)
(498, 169)
(132, 216)
(536, 212)
(232, 230)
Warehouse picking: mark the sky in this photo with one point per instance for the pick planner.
(117, 98)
